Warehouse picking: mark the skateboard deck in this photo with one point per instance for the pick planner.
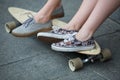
(22, 15)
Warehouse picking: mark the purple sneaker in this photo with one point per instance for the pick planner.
(71, 44)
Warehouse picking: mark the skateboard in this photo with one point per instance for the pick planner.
(92, 55)
(74, 64)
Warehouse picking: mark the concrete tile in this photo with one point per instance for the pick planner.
(30, 59)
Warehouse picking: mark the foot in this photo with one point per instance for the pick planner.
(71, 26)
(31, 27)
(45, 15)
(71, 44)
(58, 33)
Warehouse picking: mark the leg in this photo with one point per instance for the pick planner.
(82, 14)
(41, 20)
(44, 14)
(82, 40)
(101, 11)
(77, 21)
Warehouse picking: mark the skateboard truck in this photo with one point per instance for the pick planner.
(77, 63)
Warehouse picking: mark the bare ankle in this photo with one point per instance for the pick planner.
(45, 14)
(83, 36)
(71, 27)
(41, 19)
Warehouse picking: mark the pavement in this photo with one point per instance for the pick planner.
(31, 59)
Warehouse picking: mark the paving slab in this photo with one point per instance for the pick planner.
(31, 59)
(116, 16)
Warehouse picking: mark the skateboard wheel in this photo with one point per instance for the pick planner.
(75, 64)
(106, 55)
(9, 26)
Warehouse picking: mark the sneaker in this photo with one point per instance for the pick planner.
(30, 27)
(71, 44)
(58, 33)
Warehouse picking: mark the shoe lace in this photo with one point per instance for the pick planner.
(29, 20)
(71, 37)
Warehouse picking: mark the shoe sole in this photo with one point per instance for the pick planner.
(32, 33)
(62, 49)
(43, 34)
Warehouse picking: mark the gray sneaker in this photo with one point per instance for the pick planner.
(58, 33)
(30, 27)
(71, 44)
